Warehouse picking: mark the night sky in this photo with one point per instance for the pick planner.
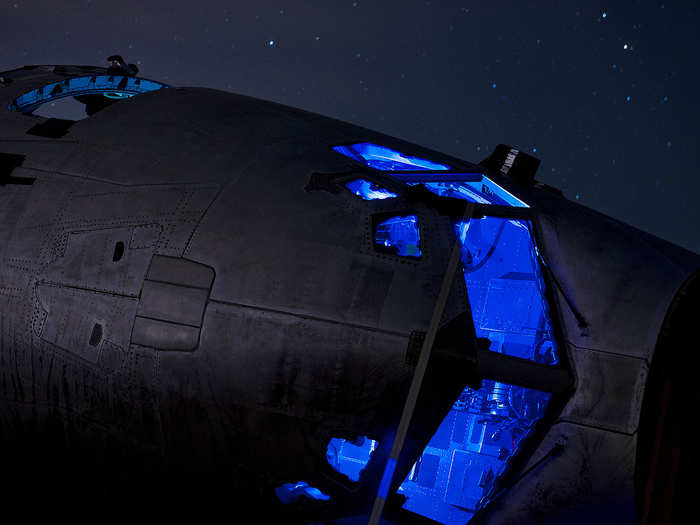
(606, 94)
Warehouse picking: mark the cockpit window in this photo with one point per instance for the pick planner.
(291, 492)
(482, 191)
(350, 457)
(399, 235)
(386, 159)
(368, 190)
(458, 469)
(506, 288)
(456, 472)
(86, 89)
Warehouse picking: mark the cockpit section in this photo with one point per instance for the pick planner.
(458, 471)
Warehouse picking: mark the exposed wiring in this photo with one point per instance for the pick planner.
(472, 268)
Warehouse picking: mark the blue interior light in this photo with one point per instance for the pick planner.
(484, 191)
(400, 234)
(350, 457)
(456, 472)
(458, 469)
(111, 86)
(386, 159)
(506, 288)
(291, 492)
(368, 190)
(118, 95)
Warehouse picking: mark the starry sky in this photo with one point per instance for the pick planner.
(606, 94)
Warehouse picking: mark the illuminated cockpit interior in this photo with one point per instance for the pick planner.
(291, 492)
(350, 457)
(456, 473)
(482, 190)
(111, 87)
(399, 235)
(386, 159)
(368, 190)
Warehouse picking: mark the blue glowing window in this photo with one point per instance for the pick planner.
(483, 191)
(118, 95)
(456, 473)
(291, 492)
(399, 235)
(386, 159)
(457, 470)
(506, 288)
(111, 86)
(368, 190)
(350, 457)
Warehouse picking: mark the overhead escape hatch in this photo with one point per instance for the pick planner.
(79, 97)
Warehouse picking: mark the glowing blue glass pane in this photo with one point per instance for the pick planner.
(400, 234)
(457, 470)
(118, 95)
(117, 85)
(368, 190)
(386, 159)
(350, 457)
(506, 289)
(291, 492)
(484, 191)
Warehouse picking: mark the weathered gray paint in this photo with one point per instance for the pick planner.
(302, 334)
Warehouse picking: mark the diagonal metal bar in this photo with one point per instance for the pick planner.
(418, 376)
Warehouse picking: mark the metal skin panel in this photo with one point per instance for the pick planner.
(180, 271)
(587, 481)
(172, 303)
(85, 260)
(305, 328)
(609, 390)
(68, 316)
(325, 319)
(620, 279)
(312, 252)
(163, 335)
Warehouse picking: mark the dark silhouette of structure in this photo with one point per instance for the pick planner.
(213, 301)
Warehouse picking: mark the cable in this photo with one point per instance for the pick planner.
(582, 323)
(473, 268)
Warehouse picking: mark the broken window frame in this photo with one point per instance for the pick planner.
(559, 376)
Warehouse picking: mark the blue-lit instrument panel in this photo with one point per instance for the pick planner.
(470, 449)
